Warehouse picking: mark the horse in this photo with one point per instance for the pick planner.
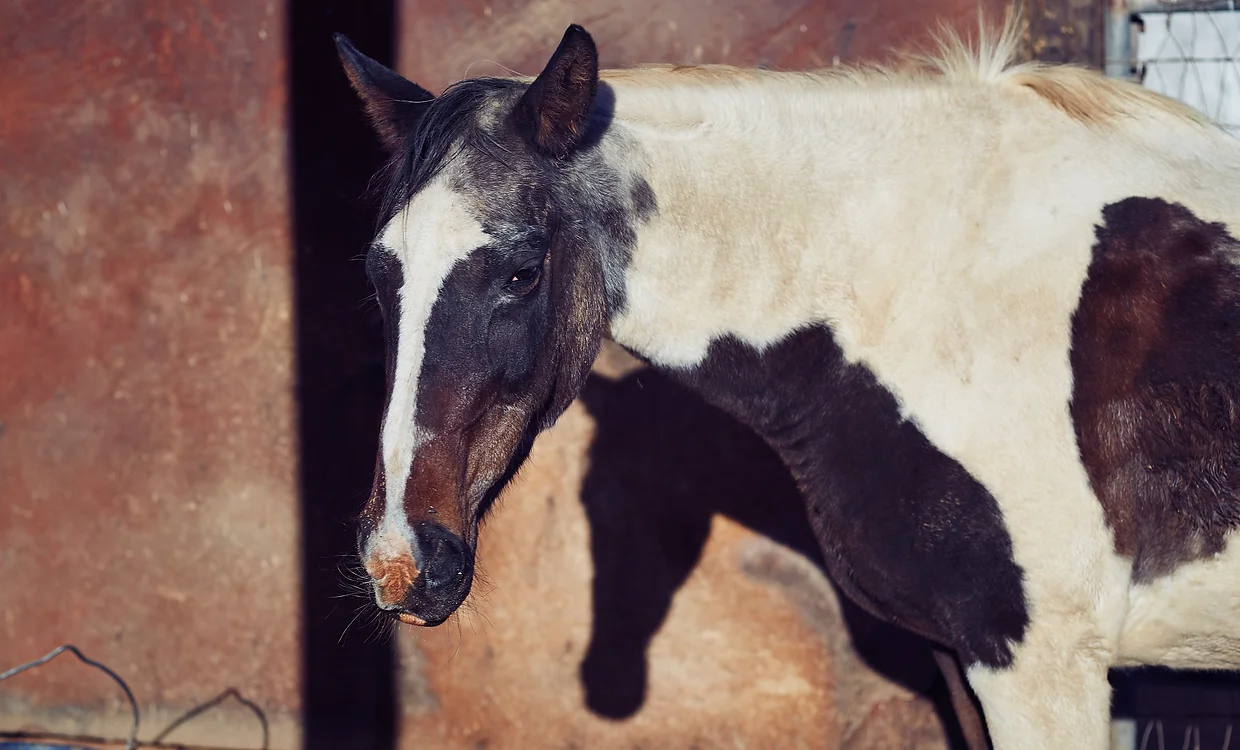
(986, 312)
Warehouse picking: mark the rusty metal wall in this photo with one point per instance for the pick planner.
(188, 411)
(442, 42)
(147, 448)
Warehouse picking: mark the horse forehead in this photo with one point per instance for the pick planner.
(433, 231)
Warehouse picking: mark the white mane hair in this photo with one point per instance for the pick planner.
(991, 59)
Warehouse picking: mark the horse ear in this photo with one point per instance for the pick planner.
(554, 112)
(393, 103)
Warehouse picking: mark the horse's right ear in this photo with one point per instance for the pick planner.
(393, 103)
(554, 112)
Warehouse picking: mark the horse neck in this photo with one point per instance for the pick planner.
(785, 203)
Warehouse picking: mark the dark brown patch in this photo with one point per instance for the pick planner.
(906, 531)
(1156, 406)
(435, 480)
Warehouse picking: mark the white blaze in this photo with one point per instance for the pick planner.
(428, 237)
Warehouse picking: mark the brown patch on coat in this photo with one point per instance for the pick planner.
(1156, 360)
(434, 486)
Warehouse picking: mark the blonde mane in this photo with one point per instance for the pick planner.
(989, 60)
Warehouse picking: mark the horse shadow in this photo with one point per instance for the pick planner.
(663, 462)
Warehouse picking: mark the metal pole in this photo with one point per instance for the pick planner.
(1119, 39)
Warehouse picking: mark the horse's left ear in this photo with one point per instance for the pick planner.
(555, 111)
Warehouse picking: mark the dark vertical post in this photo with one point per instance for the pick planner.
(348, 687)
(1068, 31)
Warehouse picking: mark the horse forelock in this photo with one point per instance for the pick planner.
(455, 120)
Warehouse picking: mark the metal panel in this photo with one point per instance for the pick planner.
(147, 447)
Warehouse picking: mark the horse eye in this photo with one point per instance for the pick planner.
(525, 279)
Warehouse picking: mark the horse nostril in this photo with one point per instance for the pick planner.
(445, 562)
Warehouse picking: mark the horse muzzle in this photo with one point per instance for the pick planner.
(428, 582)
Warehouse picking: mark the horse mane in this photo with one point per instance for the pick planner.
(1083, 94)
(991, 59)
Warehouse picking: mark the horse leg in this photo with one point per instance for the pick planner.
(968, 714)
(1054, 694)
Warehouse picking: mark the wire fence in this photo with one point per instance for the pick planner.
(131, 742)
(1188, 50)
